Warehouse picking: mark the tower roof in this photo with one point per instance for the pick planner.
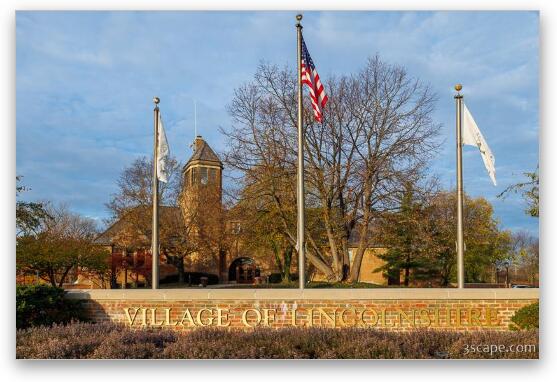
(203, 153)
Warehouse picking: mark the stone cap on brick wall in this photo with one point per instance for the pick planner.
(307, 294)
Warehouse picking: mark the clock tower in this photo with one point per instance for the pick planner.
(201, 206)
(203, 171)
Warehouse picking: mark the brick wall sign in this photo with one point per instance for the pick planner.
(388, 309)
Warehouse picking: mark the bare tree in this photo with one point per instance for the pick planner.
(131, 208)
(377, 135)
(530, 190)
(526, 255)
(262, 224)
(135, 187)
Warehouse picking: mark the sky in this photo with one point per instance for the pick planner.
(85, 83)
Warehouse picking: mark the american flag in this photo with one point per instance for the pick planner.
(311, 79)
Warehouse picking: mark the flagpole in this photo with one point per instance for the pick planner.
(300, 188)
(155, 231)
(459, 190)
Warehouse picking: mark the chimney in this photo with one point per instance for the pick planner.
(197, 143)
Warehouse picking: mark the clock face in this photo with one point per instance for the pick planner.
(203, 180)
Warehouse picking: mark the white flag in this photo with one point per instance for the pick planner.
(472, 136)
(162, 153)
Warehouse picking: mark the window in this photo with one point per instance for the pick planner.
(187, 179)
(193, 176)
(204, 177)
(212, 175)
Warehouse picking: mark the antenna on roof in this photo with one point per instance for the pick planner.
(195, 116)
(192, 146)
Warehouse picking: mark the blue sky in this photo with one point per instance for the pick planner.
(85, 83)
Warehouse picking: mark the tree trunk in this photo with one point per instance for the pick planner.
(337, 260)
(52, 279)
(357, 263)
(278, 261)
(181, 271)
(321, 266)
(345, 266)
(319, 263)
(287, 262)
(362, 245)
(64, 275)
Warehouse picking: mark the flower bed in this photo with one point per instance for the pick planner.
(102, 341)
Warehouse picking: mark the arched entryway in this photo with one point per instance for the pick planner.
(243, 270)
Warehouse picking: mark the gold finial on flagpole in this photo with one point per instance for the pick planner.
(458, 88)
(156, 100)
(299, 19)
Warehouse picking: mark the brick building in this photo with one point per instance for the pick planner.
(200, 206)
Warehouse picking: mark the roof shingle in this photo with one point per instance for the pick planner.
(203, 152)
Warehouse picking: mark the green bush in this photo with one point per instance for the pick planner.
(275, 278)
(44, 305)
(526, 318)
(342, 285)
